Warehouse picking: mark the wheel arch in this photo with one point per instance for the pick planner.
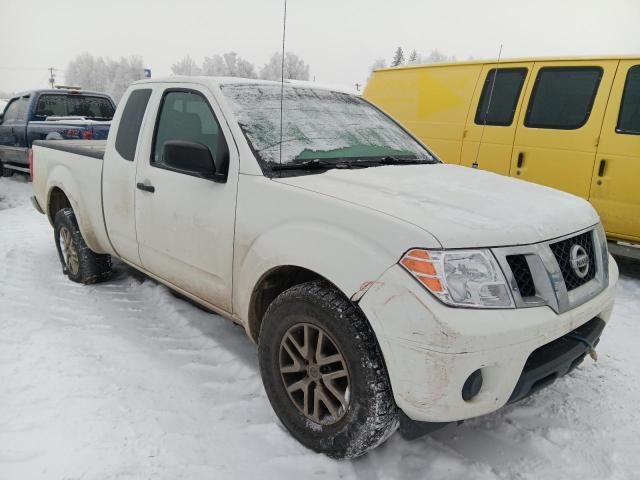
(271, 284)
(56, 201)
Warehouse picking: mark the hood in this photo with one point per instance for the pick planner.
(460, 206)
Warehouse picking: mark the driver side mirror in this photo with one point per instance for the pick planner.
(191, 158)
(1, 116)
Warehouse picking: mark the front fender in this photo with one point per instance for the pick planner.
(344, 257)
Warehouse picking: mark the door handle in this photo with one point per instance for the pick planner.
(602, 167)
(520, 159)
(146, 188)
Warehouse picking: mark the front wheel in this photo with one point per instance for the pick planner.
(324, 373)
(79, 262)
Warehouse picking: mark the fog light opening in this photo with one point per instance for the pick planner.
(472, 386)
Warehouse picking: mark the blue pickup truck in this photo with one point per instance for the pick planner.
(52, 114)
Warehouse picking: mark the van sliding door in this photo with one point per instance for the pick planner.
(558, 131)
(614, 188)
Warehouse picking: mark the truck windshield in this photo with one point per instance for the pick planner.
(317, 125)
(64, 105)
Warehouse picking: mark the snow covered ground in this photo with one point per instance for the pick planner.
(123, 380)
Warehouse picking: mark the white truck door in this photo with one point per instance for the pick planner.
(185, 221)
(119, 174)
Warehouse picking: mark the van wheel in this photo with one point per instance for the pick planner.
(324, 373)
(79, 262)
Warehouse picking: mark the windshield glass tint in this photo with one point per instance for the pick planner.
(318, 124)
(74, 105)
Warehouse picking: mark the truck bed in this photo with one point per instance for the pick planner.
(88, 148)
(73, 168)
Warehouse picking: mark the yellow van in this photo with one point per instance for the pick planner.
(569, 123)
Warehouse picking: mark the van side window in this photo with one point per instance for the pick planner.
(130, 123)
(187, 116)
(502, 90)
(562, 97)
(629, 119)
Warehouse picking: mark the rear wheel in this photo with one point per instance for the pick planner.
(323, 372)
(78, 261)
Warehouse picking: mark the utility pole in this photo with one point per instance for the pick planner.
(52, 76)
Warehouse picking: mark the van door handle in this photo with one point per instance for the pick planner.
(146, 188)
(602, 167)
(520, 159)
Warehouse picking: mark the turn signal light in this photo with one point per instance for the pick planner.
(420, 265)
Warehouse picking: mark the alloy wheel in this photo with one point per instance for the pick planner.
(315, 373)
(69, 251)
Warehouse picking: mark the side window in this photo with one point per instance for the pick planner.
(187, 116)
(562, 97)
(499, 98)
(629, 119)
(12, 112)
(130, 123)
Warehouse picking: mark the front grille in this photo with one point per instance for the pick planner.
(522, 274)
(562, 251)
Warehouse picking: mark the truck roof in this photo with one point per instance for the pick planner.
(511, 60)
(60, 91)
(218, 81)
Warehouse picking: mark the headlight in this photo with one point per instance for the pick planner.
(463, 278)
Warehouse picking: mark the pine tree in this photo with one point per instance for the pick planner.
(398, 57)
(413, 57)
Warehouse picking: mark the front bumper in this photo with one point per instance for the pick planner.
(431, 349)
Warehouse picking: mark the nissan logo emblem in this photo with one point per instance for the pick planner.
(579, 261)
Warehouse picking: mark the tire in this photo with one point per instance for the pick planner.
(78, 261)
(370, 415)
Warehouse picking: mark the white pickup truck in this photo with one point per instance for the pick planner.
(383, 288)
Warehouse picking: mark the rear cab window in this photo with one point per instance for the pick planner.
(629, 119)
(131, 122)
(72, 104)
(499, 98)
(562, 97)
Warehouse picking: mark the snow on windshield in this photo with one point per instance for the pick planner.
(316, 121)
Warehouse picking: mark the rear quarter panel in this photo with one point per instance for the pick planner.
(79, 177)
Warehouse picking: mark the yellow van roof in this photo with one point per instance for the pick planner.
(511, 60)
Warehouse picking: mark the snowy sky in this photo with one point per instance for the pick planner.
(339, 39)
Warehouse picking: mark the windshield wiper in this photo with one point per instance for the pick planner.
(390, 160)
(315, 164)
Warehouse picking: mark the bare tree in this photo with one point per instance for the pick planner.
(186, 66)
(124, 73)
(294, 68)
(104, 74)
(436, 56)
(228, 65)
